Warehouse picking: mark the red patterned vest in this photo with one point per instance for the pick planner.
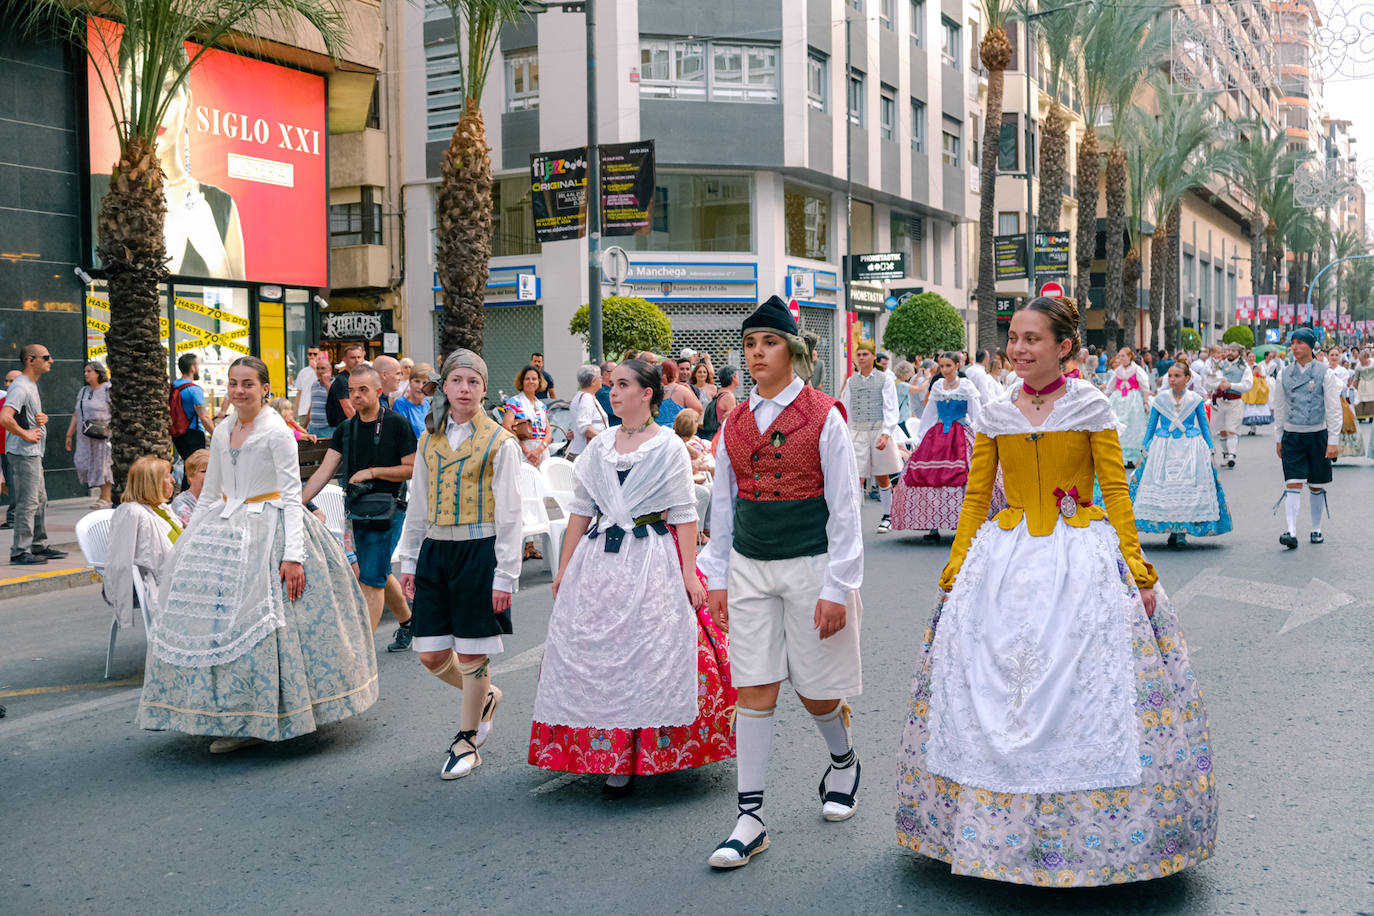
(780, 511)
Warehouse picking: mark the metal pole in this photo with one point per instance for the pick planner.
(1030, 207)
(848, 190)
(593, 198)
(1317, 278)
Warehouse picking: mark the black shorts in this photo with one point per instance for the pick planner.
(189, 442)
(453, 582)
(1304, 457)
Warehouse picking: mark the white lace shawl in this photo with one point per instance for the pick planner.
(1173, 413)
(1081, 407)
(660, 482)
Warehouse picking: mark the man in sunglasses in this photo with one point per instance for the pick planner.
(26, 426)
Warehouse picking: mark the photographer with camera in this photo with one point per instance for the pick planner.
(373, 454)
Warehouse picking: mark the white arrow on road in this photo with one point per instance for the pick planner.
(1304, 604)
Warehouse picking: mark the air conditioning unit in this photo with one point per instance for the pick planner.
(914, 228)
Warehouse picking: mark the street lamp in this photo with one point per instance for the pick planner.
(1027, 17)
(588, 7)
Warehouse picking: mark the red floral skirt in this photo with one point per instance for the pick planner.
(648, 751)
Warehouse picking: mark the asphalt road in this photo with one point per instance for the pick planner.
(97, 816)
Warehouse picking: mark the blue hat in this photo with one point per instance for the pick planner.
(1306, 335)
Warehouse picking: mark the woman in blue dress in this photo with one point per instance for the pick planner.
(1176, 489)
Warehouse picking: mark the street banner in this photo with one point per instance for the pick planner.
(627, 187)
(558, 185)
(1245, 308)
(1286, 313)
(243, 149)
(1329, 319)
(1304, 313)
(1268, 307)
(1346, 322)
(1010, 254)
(1051, 255)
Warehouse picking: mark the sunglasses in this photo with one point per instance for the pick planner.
(46, 357)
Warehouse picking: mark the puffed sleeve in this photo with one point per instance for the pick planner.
(286, 461)
(1116, 496)
(677, 481)
(977, 498)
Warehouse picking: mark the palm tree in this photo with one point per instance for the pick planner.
(995, 50)
(141, 70)
(1302, 239)
(1259, 165)
(1060, 33)
(1283, 213)
(463, 208)
(1346, 243)
(1133, 46)
(1180, 150)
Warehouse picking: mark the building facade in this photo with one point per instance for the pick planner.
(780, 147)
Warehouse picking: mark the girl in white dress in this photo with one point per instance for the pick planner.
(634, 679)
(260, 630)
(1128, 389)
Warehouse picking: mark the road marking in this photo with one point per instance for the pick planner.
(1303, 603)
(17, 725)
(530, 658)
(558, 782)
(135, 681)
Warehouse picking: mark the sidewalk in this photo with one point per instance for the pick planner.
(74, 571)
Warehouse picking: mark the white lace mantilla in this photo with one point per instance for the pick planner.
(1081, 407)
(1032, 679)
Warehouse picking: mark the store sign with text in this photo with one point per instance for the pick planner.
(559, 194)
(242, 146)
(889, 265)
(658, 281)
(1009, 254)
(355, 325)
(1051, 254)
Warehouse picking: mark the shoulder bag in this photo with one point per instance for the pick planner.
(366, 508)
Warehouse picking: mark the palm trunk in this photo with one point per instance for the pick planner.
(463, 221)
(987, 213)
(1088, 168)
(1256, 239)
(1171, 316)
(1116, 228)
(133, 250)
(1159, 242)
(1054, 144)
(1131, 270)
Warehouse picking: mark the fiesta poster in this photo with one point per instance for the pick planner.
(243, 150)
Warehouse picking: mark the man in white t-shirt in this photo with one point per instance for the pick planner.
(982, 379)
(304, 379)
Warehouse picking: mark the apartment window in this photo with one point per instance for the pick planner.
(374, 107)
(918, 125)
(1008, 223)
(1008, 153)
(512, 218)
(522, 80)
(856, 98)
(806, 215)
(953, 134)
(887, 11)
(975, 52)
(975, 137)
(723, 72)
(887, 113)
(357, 223)
(699, 213)
(918, 23)
(817, 80)
(1014, 36)
(443, 90)
(949, 46)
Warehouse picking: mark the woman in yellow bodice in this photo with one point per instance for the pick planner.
(1056, 733)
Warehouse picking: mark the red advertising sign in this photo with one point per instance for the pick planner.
(1268, 307)
(1245, 308)
(1286, 313)
(1345, 322)
(243, 149)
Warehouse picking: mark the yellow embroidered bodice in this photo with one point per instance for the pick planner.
(1034, 464)
(460, 479)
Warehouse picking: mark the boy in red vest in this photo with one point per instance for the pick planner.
(784, 566)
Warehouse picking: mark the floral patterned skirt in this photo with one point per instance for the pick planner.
(649, 751)
(1110, 835)
(924, 508)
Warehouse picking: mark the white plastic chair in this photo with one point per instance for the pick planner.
(93, 537)
(330, 499)
(558, 481)
(535, 521)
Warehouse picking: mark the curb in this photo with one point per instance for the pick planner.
(50, 581)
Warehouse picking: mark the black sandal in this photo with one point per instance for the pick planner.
(749, 803)
(841, 798)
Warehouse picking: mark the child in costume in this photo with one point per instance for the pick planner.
(869, 397)
(784, 566)
(460, 549)
(1307, 427)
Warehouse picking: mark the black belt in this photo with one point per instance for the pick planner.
(615, 534)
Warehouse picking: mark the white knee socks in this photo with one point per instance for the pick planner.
(1318, 501)
(753, 741)
(885, 498)
(1292, 501)
(834, 728)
